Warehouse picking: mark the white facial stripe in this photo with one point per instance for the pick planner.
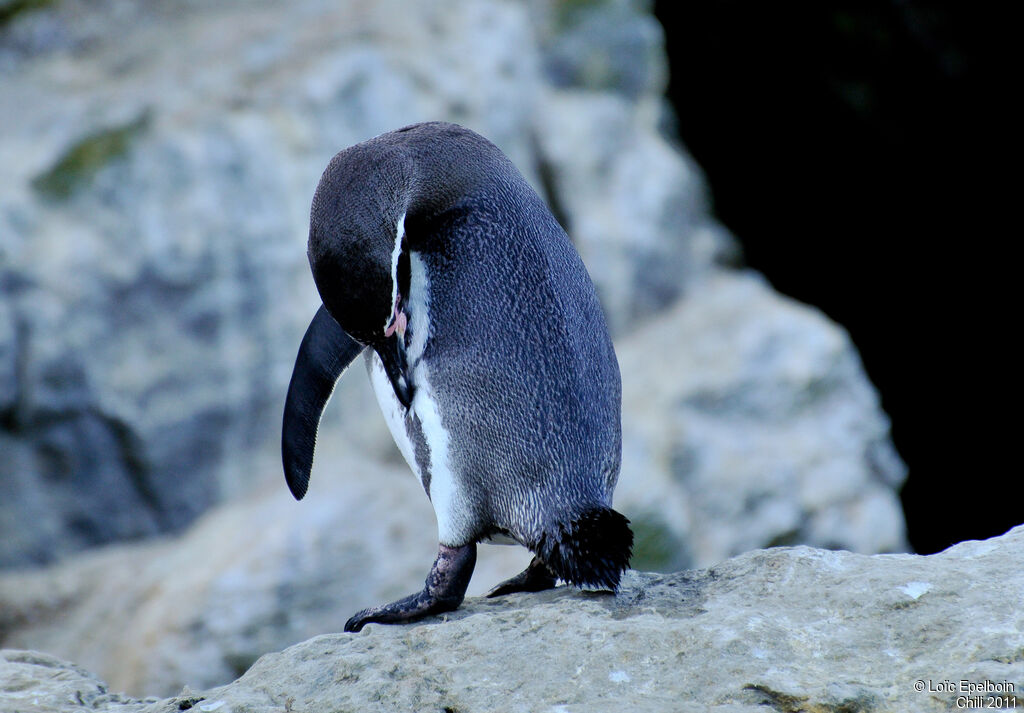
(395, 253)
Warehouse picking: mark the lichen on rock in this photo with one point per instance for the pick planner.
(75, 167)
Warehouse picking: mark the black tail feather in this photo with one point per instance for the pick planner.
(592, 550)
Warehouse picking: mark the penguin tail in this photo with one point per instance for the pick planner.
(591, 550)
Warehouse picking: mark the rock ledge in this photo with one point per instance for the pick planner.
(786, 629)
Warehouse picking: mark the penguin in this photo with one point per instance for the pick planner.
(488, 353)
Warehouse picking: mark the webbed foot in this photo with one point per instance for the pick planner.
(443, 591)
(535, 578)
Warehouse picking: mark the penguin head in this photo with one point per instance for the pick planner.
(356, 241)
(368, 195)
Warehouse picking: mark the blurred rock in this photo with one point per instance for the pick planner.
(34, 682)
(9, 340)
(253, 576)
(790, 629)
(153, 279)
(748, 422)
(610, 46)
(635, 207)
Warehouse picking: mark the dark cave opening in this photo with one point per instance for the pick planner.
(845, 149)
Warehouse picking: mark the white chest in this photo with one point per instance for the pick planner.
(423, 421)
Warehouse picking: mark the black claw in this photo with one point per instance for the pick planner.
(535, 578)
(410, 608)
(443, 591)
(357, 622)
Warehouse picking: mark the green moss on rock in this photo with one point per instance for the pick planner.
(10, 9)
(77, 166)
(655, 547)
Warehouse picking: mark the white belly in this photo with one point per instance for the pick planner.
(391, 407)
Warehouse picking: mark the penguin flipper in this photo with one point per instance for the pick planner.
(325, 353)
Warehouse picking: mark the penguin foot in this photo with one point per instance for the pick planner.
(443, 591)
(535, 578)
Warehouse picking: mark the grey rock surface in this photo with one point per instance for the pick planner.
(785, 629)
(34, 682)
(748, 422)
(153, 279)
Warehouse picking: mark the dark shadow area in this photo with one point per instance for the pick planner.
(851, 149)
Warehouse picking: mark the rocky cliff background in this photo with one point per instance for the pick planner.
(157, 166)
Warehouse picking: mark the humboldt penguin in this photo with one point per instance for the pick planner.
(487, 350)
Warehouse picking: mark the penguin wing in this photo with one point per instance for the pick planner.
(325, 353)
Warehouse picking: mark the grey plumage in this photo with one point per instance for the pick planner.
(498, 368)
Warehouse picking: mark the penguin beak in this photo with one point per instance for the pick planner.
(399, 321)
(398, 325)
